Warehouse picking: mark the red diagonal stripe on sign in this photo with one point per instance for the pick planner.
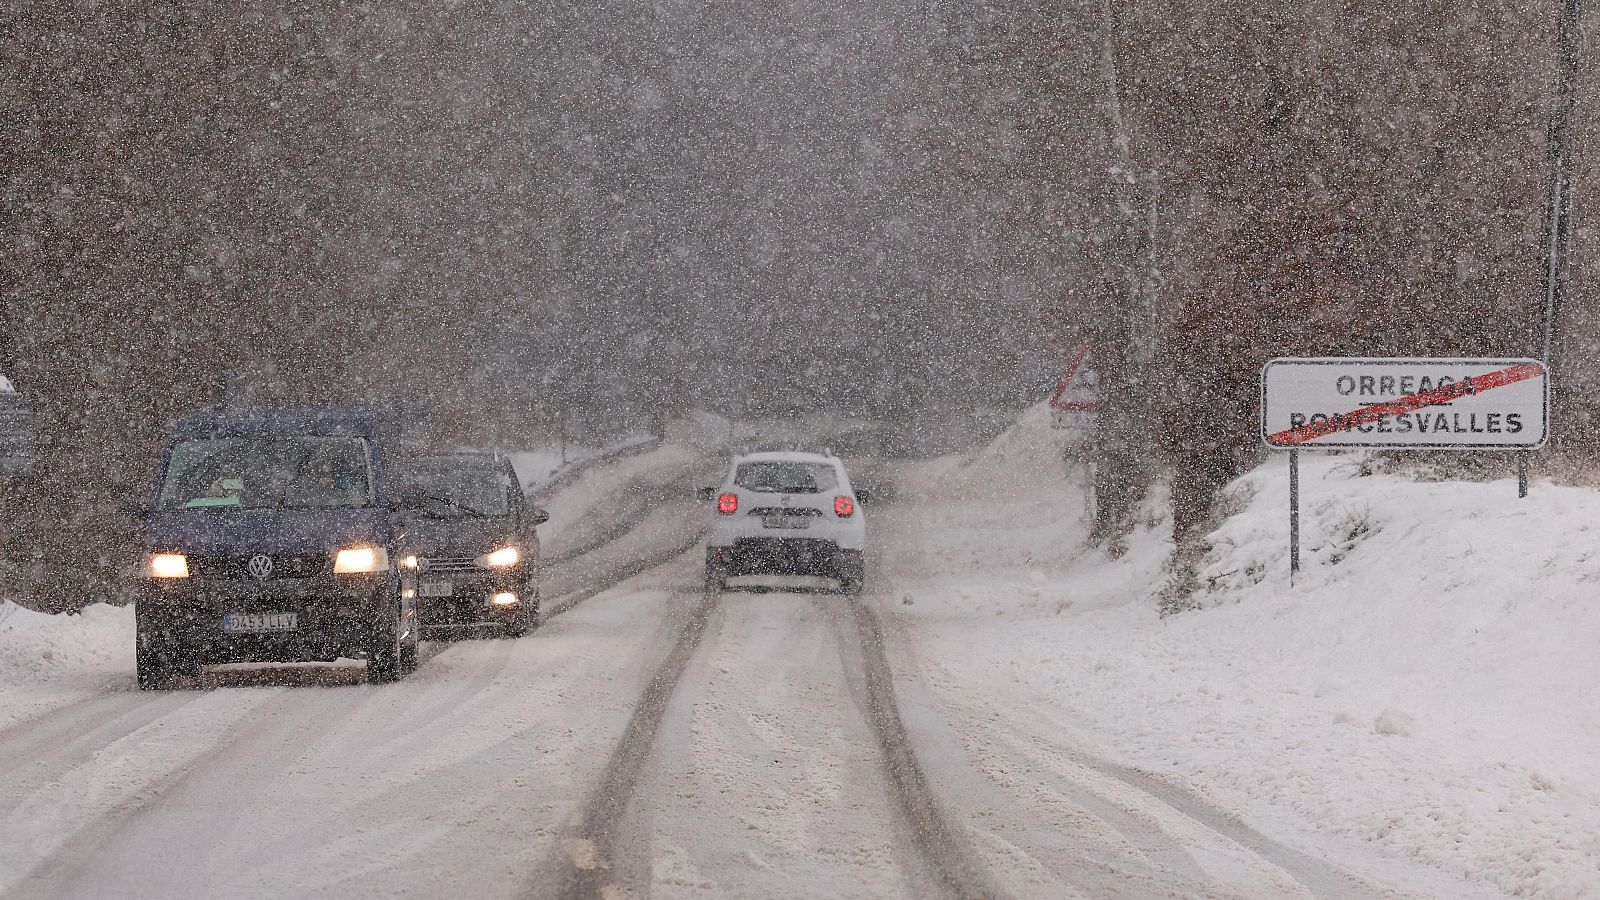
(1410, 403)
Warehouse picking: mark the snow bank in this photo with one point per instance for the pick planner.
(1026, 462)
(538, 468)
(1422, 694)
(606, 500)
(48, 661)
(5, 386)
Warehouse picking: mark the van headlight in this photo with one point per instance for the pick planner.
(360, 561)
(500, 559)
(168, 565)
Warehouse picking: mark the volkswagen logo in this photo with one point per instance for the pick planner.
(260, 566)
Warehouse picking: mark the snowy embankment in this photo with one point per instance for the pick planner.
(49, 661)
(540, 469)
(1422, 694)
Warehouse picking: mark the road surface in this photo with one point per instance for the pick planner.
(650, 740)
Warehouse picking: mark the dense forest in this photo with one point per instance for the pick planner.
(608, 212)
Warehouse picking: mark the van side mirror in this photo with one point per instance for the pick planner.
(536, 516)
(706, 494)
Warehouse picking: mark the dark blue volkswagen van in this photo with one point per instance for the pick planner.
(271, 537)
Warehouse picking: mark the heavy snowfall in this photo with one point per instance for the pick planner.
(1108, 449)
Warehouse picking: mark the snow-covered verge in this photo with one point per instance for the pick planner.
(48, 661)
(1422, 694)
(537, 469)
(603, 501)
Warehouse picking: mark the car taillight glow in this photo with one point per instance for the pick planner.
(728, 504)
(844, 507)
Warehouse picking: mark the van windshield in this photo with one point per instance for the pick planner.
(268, 472)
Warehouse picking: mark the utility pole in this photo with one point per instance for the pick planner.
(1569, 40)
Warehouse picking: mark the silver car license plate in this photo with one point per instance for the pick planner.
(436, 589)
(248, 623)
(785, 522)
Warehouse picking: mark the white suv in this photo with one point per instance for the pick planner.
(786, 514)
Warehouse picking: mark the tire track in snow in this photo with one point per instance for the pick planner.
(63, 738)
(620, 574)
(206, 740)
(943, 853)
(643, 497)
(589, 868)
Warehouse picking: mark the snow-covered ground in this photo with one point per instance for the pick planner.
(537, 468)
(1409, 719)
(1420, 695)
(51, 661)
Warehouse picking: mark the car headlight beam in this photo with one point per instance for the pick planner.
(500, 559)
(169, 565)
(361, 561)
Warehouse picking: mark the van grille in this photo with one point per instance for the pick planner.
(306, 565)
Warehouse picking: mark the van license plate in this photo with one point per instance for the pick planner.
(246, 623)
(436, 589)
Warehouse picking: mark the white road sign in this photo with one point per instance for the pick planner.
(1460, 404)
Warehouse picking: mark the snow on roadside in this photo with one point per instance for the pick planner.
(1421, 695)
(612, 496)
(537, 468)
(48, 661)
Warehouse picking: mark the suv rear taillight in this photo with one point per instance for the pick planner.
(728, 504)
(844, 507)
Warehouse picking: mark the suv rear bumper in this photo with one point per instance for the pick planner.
(784, 556)
(335, 617)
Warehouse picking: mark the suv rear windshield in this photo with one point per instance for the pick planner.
(268, 472)
(787, 477)
(450, 491)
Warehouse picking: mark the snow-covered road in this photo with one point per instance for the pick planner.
(458, 780)
(494, 772)
(650, 740)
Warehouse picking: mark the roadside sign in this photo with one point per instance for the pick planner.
(16, 435)
(1453, 404)
(1075, 406)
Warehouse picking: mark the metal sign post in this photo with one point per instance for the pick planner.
(1294, 514)
(1439, 404)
